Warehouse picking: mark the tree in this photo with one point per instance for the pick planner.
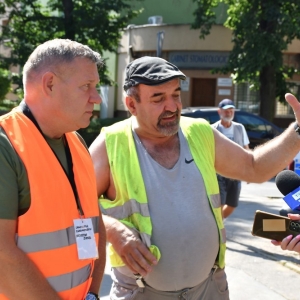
(96, 23)
(5, 79)
(261, 29)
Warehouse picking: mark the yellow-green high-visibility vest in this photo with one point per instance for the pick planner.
(131, 206)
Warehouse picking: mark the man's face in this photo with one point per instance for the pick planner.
(226, 115)
(76, 93)
(158, 111)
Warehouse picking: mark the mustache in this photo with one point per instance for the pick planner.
(168, 114)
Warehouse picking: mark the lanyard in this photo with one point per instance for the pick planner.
(70, 175)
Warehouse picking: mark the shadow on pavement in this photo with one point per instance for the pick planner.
(257, 252)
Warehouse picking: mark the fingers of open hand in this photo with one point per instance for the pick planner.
(294, 217)
(291, 244)
(294, 103)
(137, 262)
(135, 255)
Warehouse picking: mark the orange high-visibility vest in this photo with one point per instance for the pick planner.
(46, 231)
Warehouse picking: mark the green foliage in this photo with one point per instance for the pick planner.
(5, 83)
(7, 105)
(261, 31)
(205, 16)
(92, 131)
(96, 23)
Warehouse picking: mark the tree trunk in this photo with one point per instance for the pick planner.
(267, 92)
(68, 7)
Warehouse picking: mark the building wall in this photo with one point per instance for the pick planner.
(172, 11)
(181, 39)
(143, 40)
(176, 37)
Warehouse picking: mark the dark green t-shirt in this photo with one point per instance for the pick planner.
(14, 185)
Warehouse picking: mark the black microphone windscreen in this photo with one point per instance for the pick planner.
(287, 181)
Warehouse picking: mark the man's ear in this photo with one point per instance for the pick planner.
(131, 105)
(48, 80)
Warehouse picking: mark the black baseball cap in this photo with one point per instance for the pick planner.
(226, 103)
(150, 70)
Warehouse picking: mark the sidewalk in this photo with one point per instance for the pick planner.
(256, 269)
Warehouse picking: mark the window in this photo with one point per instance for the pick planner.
(246, 98)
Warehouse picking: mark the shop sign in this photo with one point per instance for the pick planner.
(224, 82)
(199, 59)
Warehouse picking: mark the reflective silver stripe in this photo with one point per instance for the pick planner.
(95, 222)
(223, 235)
(51, 240)
(103, 210)
(70, 280)
(145, 238)
(127, 209)
(215, 200)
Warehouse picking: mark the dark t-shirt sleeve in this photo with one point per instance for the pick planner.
(14, 188)
(14, 185)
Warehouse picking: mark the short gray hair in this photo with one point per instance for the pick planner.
(55, 52)
(134, 93)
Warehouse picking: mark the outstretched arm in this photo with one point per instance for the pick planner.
(264, 161)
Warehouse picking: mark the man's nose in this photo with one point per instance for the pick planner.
(95, 97)
(171, 104)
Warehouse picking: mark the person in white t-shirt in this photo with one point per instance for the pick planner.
(230, 189)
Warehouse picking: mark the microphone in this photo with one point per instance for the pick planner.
(288, 183)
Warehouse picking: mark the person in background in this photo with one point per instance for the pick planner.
(52, 237)
(230, 189)
(161, 205)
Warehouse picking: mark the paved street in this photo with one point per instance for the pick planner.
(256, 269)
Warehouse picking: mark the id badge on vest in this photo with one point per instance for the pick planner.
(85, 239)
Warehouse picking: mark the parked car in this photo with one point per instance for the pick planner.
(259, 130)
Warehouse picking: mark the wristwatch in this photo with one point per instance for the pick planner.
(92, 296)
(297, 128)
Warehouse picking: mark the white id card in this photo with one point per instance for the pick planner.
(85, 239)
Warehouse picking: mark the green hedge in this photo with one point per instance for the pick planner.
(92, 131)
(5, 83)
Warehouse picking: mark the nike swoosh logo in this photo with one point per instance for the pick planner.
(188, 161)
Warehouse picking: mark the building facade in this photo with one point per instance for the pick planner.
(163, 29)
(181, 46)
